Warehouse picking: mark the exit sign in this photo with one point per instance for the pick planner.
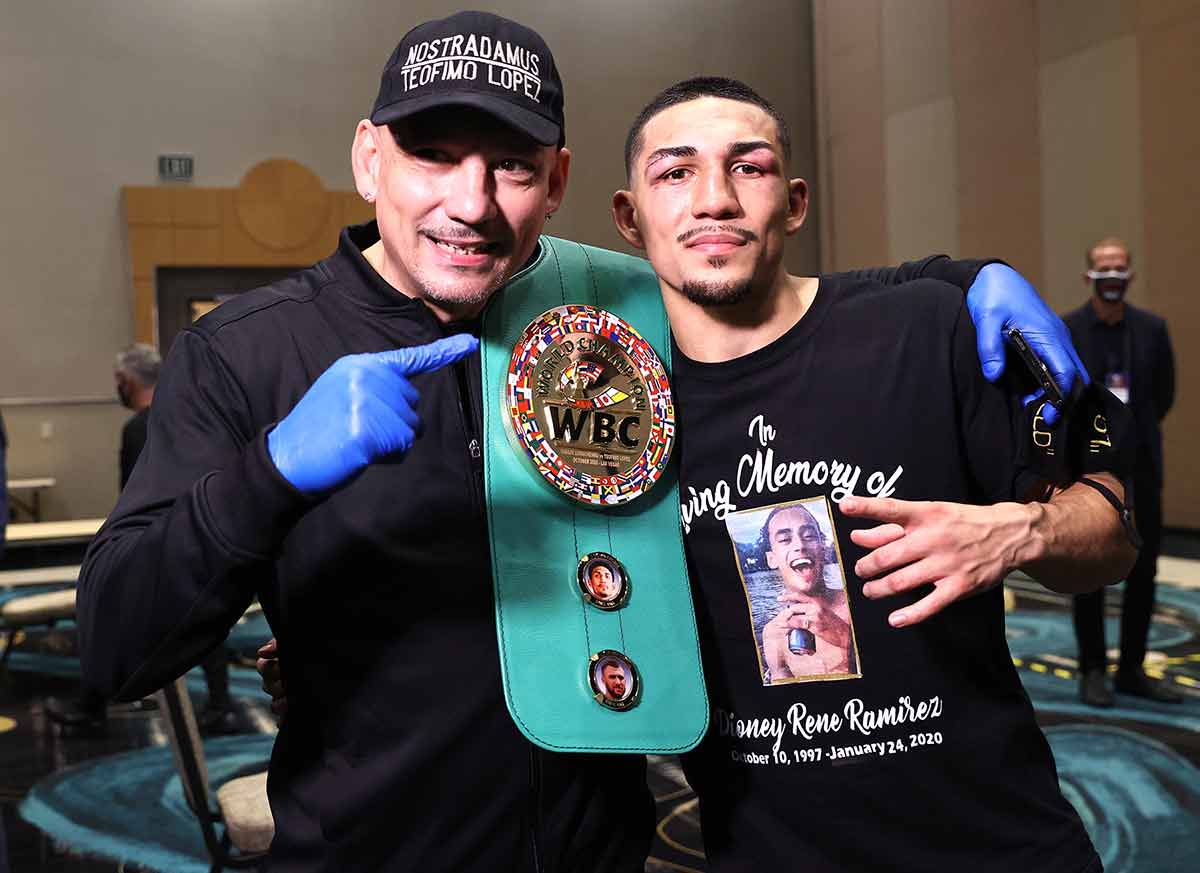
(175, 168)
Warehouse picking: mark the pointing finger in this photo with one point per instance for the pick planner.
(431, 356)
(382, 381)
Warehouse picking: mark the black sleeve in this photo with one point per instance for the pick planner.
(133, 439)
(986, 431)
(177, 562)
(959, 273)
(1164, 376)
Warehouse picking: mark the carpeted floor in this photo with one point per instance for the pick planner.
(1133, 771)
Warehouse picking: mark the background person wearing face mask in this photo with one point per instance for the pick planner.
(135, 375)
(1127, 350)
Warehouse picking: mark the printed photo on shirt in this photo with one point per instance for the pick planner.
(791, 570)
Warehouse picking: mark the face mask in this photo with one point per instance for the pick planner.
(1109, 285)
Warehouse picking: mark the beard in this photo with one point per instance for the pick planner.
(449, 297)
(466, 291)
(717, 293)
(462, 288)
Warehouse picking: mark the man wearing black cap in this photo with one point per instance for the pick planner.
(271, 469)
(258, 477)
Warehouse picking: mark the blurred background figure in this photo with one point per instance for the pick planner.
(1126, 349)
(136, 375)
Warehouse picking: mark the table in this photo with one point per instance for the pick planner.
(34, 506)
(79, 531)
(63, 573)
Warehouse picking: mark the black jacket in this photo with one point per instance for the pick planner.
(398, 753)
(1152, 371)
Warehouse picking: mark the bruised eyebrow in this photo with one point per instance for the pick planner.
(670, 152)
(744, 148)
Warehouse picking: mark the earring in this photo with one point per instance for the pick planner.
(369, 197)
(549, 215)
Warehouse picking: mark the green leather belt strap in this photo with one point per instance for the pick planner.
(546, 630)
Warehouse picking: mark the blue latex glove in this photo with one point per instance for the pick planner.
(1001, 299)
(360, 410)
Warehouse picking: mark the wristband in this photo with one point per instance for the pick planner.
(1122, 510)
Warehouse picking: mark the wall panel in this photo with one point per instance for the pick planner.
(1091, 164)
(994, 63)
(1170, 92)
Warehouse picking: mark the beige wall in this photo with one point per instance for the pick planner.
(92, 92)
(1023, 129)
(1169, 89)
(77, 444)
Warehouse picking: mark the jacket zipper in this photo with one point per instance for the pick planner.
(474, 438)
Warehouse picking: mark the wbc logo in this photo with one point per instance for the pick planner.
(589, 402)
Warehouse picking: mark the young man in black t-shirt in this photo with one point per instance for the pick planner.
(807, 407)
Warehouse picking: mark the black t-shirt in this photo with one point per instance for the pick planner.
(884, 749)
(133, 439)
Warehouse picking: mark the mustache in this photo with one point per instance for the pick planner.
(747, 235)
(460, 233)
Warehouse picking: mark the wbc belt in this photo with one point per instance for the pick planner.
(594, 617)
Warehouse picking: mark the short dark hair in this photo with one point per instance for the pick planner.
(694, 89)
(1108, 242)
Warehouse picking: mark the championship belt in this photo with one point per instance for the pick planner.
(597, 633)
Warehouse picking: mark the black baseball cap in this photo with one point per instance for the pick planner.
(475, 59)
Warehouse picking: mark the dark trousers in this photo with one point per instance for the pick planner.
(1138, 602)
